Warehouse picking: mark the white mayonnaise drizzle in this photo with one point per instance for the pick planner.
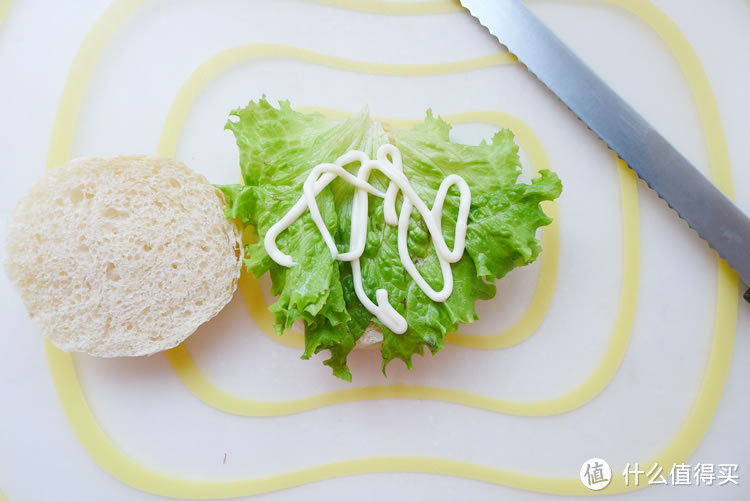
(389, 163)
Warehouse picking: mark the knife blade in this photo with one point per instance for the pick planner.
(705, 208)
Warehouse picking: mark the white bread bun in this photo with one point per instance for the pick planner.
(122, 256)
(370, 338)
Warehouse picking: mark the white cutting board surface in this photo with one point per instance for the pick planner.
(152, 418)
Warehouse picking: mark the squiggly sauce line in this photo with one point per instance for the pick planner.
(549, 260)
(388, 163)
(113, 460)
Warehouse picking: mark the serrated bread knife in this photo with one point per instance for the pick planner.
(706, 209)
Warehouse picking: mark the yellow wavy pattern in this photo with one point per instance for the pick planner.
(212, 395)
(595, 383)
(208, 70)
(103, 450)
(587, 390)
(396, 8)
(4, 6)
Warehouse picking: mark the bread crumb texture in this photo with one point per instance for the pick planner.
(122, 256)
(372, 336)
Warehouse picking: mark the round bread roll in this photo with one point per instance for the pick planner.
(122, 256)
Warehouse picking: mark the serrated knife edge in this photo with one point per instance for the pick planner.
(690, 194)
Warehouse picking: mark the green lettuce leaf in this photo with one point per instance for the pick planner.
(279, 146)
